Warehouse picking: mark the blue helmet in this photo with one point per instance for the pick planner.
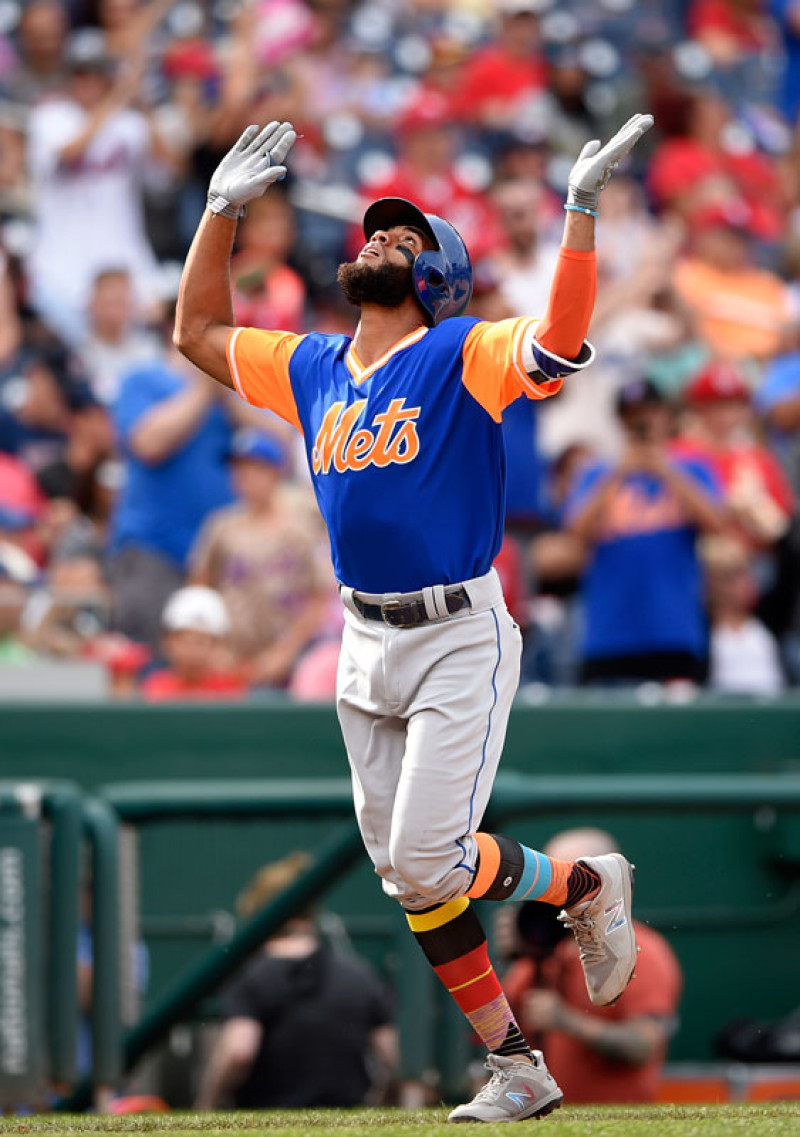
(442, 275)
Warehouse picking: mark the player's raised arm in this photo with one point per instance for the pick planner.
(558, 348)
(204, 317)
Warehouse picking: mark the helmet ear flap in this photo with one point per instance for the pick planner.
(430, 283)
(443, 288)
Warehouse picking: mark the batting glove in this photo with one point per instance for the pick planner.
(249, 167)
(595, 162)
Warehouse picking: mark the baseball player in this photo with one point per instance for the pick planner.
(402, 433)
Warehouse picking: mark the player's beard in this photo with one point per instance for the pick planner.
(385, 285)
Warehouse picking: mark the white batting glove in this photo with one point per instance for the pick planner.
(595, 162)
(249, 167)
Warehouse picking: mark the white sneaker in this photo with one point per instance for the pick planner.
(604, 931)
(516, 1090)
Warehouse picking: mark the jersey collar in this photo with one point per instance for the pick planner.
(360, 372)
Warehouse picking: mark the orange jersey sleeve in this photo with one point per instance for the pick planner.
(259, 367)
(493, 371)
(566, 322)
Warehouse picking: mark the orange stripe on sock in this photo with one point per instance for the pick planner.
(556, 891)
(488, 865)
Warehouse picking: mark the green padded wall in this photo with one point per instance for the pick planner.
(725, 887)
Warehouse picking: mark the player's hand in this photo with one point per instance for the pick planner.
(595, 162)
(249, 167)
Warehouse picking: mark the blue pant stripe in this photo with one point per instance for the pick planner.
(462, 865)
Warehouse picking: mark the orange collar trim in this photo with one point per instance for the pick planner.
(360, 372)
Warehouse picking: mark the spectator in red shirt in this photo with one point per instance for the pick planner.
(444, 73)
(267, 293)
(196, 624)
(504, 76)
(426, 174)
(511, 569)
(730, 29)
(597, 1054)
(721, 430)
(698, 167)
(18, 487)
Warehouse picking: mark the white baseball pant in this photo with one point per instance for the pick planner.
(423, 713)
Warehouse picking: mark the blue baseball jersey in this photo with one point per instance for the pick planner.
(643, 588)
(406, 455)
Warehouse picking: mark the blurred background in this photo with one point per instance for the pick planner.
(159, 541)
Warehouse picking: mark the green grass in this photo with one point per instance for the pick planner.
(777, 1119)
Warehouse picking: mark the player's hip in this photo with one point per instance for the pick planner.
(402, 670)
(435, 604)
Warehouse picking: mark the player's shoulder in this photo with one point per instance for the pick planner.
(455, 325)
(320, 344)
(450, 332)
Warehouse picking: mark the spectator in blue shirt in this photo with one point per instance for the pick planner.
(639, 519)
(174, 435)
(786, 13)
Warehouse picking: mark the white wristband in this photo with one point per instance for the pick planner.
(220, 205)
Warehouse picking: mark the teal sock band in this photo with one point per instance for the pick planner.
(536, 876)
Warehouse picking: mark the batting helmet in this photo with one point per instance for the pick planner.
(442, 275)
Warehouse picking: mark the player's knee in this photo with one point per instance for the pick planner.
(428, 872)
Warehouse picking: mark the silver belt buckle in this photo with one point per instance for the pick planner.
(390, 604)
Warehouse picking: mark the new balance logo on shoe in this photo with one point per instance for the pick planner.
(617, 913)
(516, 1090)
(603, 929)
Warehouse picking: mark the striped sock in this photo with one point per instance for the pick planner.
(455, 945)
(507, 870)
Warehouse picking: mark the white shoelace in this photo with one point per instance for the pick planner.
(500, 1074)
(590, 940)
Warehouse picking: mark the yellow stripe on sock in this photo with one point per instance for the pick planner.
(469, 982)
(427, 921)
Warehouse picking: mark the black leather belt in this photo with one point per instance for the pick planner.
(409, 613)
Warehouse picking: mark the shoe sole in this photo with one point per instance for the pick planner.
(631, 883)
(536, 1113)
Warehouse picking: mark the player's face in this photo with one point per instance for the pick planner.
(381, 273)
(397, 245)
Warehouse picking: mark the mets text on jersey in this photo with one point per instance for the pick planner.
(393, 438)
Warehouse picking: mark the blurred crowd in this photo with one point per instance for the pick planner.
(156, 525)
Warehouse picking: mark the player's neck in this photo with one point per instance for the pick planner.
(379, 329)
